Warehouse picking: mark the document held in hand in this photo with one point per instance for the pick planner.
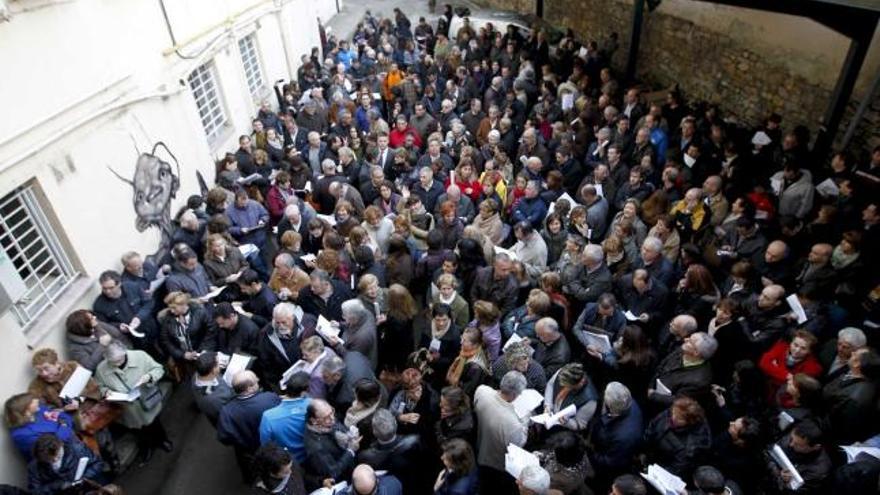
(796, 307)
(517, 458)
(76, 383)
(852, 451)
(527, 401)
(783, 462)
(599, 341)
(664, 481)
(550, 421)
(326, 329)
(130, 396)
(661, 389)
(238, 362)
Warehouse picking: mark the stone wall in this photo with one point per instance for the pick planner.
(747, 81)
(525, 6)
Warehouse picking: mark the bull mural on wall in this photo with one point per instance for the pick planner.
(154, 185)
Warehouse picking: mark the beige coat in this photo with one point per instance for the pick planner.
(122, 380)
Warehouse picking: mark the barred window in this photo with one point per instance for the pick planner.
(251, 62)
(203, 83)
(34, 267)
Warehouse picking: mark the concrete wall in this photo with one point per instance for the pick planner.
(763, 61)
(98, 80)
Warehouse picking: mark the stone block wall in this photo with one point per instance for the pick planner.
(707, 65)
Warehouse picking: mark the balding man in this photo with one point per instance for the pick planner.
(239, 421)
(676, 331)
(464, 207)
(365, 481)
(767, 317)
(653, 261)
(775, 268)
(552, 351)
(593, 280)
(817, 276)
(330, 446)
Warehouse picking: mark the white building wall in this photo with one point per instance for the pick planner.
(87, 81)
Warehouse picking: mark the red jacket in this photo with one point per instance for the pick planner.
(773, 365)
(397, 138)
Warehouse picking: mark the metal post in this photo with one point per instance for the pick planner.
(855, 56)
(634, 39)
(860, 112)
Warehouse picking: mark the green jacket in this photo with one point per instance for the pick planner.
(122, 380)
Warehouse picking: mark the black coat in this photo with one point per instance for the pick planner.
(395, 344)
(401, 457)
(679, 450)
(260, 306)
(241, 339)
(691, 381)
(271, 361)
(331, 309)
(43, 480)
(851, 408)
(325, 458)
(239, 422)
(175, 340)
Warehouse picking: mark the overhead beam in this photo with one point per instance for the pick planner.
(635, 38)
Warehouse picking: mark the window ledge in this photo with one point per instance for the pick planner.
(52, 319)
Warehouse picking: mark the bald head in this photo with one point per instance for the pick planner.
(245, 382)
(771, 296)
(820, 254)
(776, 252)
(363, 479)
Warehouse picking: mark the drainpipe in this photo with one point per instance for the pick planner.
(285, 38)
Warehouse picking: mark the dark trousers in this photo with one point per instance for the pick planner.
(245, 459)
(495, 482)
(151, 436)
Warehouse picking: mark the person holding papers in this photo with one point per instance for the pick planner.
(629, 360)
(324, 296)
(459, 474)
(249, 220)
(231, 333)
(188, 275)
(518, 357)
(359, 332)
(278, 347)
(124, 371)
(56, 467)
(83, 402)
(443, 342)
(522, 320)
(471, 368)
(259, 300)
(804, 450)
(551, 349)
(686, 371)
(850, 398)
(602, 317)
(679, 437)
(498, 426)
(645, 297)
(210, 390)
(571, 393)
(184, 326)
(223, 263)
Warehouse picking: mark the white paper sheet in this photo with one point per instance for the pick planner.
(214, 293)
(326, 329)
(828, 188)
(76, 383)
(81, 468)
(551, 420)
(784, 420)
(527, 401)
(512, 340)
(795, 305)
(852, 451)
(238, 362)
(130, 396)
(250, 178)
(248, 249)
(630, 316)
(567, 101)
(661, 388)
(599, 190)
(784, 463)
(301, 365)
(160, 279)
(330, 219)
(517, 458)
(598, 340)
(509, 253)
(664, 481)
(776, 185)
(308, 257)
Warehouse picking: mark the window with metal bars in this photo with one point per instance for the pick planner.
(37, 269)
(251, 61)
(203, 83)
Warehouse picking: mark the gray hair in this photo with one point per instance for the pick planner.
(284, 309)
(512, 384)
(688, 323)
(535, 479)
(548, 324)
(290, 210)
(384, 425)
(604, 133)
(706, 344)
(354, 307)
(345, 150)
(853, 336)
(618, 398)
(653, 243)
(333, 365)
(594, 253)
(114, 350)
(285, 258)
(328, 165)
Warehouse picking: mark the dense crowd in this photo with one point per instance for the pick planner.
(473, 262)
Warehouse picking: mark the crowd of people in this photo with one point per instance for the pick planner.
(443, 247)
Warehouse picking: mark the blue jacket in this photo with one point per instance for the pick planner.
(388, 485)
(239, 423)
(534, 210)
(43, 480)
(660, 142)
(285, 424)
(459, 485)
(616, 439)
(24, 437)
(248, 217)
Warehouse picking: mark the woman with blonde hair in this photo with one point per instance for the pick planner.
(223, 263)
(489, 223)
(487, 319)
(447, 293)
(184, 324)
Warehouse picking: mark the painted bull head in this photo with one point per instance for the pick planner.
(153, 187)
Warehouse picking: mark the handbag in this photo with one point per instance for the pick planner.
(150, 397)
